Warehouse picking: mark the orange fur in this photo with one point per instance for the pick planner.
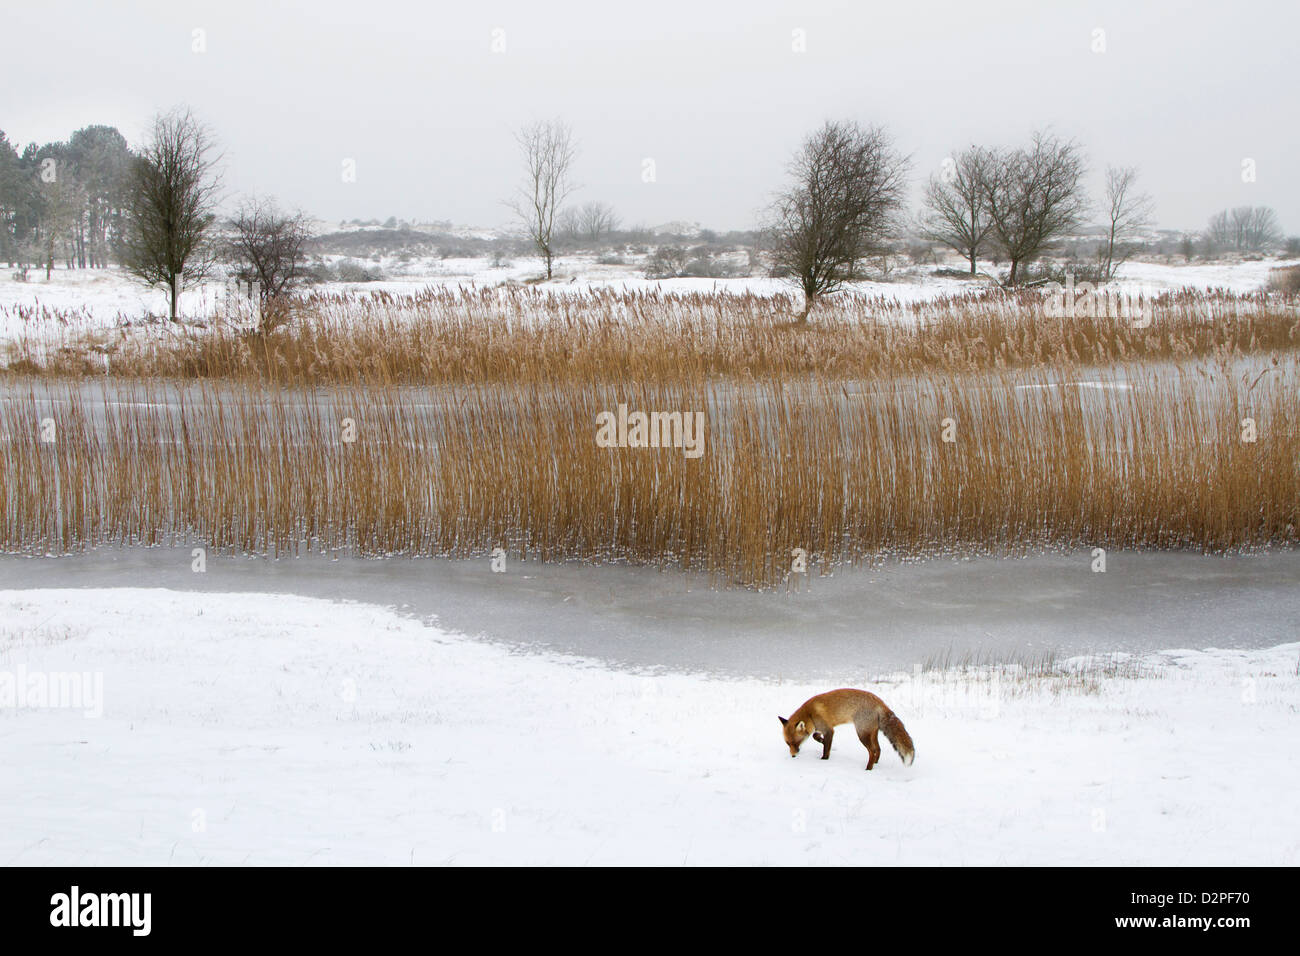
(820, 715)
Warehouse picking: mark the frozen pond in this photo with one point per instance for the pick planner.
(851, 626)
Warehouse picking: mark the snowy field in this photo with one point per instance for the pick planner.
(213, 727)
(274, 729)
(99, 298)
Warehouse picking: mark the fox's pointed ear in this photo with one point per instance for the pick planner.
(782, 719)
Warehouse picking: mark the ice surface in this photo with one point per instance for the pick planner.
(854, 625)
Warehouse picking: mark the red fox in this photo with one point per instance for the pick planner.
(820, 716)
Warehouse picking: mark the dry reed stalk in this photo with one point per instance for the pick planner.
(1150, 456)
(524, 336)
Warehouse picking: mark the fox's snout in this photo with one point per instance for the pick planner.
(794, 739)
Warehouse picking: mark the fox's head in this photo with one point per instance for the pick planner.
(795, 734)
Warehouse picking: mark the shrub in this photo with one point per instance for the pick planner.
(350, 270)
(1044, 271)
(668, 262)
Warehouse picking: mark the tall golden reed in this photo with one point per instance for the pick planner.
(525, 336)
(1141, 455)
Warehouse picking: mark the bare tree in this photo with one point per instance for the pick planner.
(1244, 229)
(1257, 227)
(174, 190)
(1218, 234)
(266, 246)
(568, 225)
(1127, 211)
(62, 199)
(1239, 220)
(667, 262)
(956, 208)
(848, 189)
(596, 220)
(549, 151)
(1034, 195)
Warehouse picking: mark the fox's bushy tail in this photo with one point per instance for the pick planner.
(897, 735)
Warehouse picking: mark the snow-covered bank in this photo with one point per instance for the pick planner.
(249, 728)
(108, 298)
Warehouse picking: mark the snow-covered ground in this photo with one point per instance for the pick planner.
(260, 729)
(98, 298)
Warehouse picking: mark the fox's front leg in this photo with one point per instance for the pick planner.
(825, 740)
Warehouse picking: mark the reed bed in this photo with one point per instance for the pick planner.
(525, 336)
(993, 678)
(1146, 456)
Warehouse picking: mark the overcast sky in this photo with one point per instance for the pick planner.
(715, 94)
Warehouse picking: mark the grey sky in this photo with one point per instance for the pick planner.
(712, 92)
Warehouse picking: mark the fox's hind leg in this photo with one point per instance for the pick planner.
(867, 733)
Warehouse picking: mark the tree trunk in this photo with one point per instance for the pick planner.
(174, 296)
(972, 263)
(808, 301)
(1012, 278)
